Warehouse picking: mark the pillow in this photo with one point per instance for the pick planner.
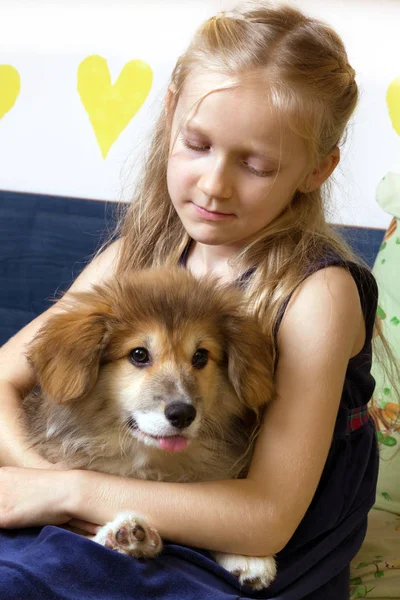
(375, 571)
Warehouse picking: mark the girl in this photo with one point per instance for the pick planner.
(233, 184)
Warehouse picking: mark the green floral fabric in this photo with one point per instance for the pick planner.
(375, 571)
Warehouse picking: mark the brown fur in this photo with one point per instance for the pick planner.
(90, 394)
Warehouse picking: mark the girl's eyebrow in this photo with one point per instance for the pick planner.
(251, 149)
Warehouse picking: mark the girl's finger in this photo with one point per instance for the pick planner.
(88, 536)
(84, 526)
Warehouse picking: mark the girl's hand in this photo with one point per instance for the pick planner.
(31, 497)
(31, 460)
(84, 528)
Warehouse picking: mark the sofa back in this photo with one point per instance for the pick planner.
(45, 241)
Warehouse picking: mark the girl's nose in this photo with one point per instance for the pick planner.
(216, 180)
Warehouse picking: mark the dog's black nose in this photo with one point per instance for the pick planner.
(180, 414)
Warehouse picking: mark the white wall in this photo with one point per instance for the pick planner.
(47, 144)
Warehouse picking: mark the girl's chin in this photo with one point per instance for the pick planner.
(204, 234)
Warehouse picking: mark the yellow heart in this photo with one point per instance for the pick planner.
(111, 107)
(10, 86)
(393, 102)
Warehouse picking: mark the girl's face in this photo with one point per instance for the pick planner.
(235, 165)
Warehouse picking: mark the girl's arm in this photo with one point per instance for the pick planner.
(17, 378)
(322, 328)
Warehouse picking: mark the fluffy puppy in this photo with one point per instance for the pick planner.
(153, 375)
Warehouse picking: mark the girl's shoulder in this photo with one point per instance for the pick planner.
(359, 272)
(337, 301)
(350, 275)
(343, 285)
(327, 294)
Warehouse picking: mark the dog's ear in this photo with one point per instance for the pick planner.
(66, 353)
(250, 361)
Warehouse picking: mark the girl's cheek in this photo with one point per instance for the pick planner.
(178, 183)
(181, 172)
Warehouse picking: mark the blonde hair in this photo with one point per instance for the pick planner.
(311, 81)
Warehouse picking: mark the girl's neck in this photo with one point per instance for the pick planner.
(212, 260)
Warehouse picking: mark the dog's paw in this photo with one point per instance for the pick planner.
(256, 572)
(129, 534)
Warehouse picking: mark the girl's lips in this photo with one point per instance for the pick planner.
(211, 216)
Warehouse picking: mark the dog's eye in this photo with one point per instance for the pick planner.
(140, 356)
(200, 358)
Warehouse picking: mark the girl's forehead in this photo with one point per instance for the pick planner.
(218, 97)
(201, 85)
(225, 104)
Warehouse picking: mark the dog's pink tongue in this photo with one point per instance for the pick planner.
(175, 443)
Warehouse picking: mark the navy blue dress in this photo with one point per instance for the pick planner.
(51, 563)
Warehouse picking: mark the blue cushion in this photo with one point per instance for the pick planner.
(365, 241)
(45, 241)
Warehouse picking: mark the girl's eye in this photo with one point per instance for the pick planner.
(259, 173)
(139, 356)
(193, 146)
(196, 148)
(200, 358)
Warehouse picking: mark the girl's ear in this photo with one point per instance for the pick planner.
(321, 172)
(66, 353)
(250, 362)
